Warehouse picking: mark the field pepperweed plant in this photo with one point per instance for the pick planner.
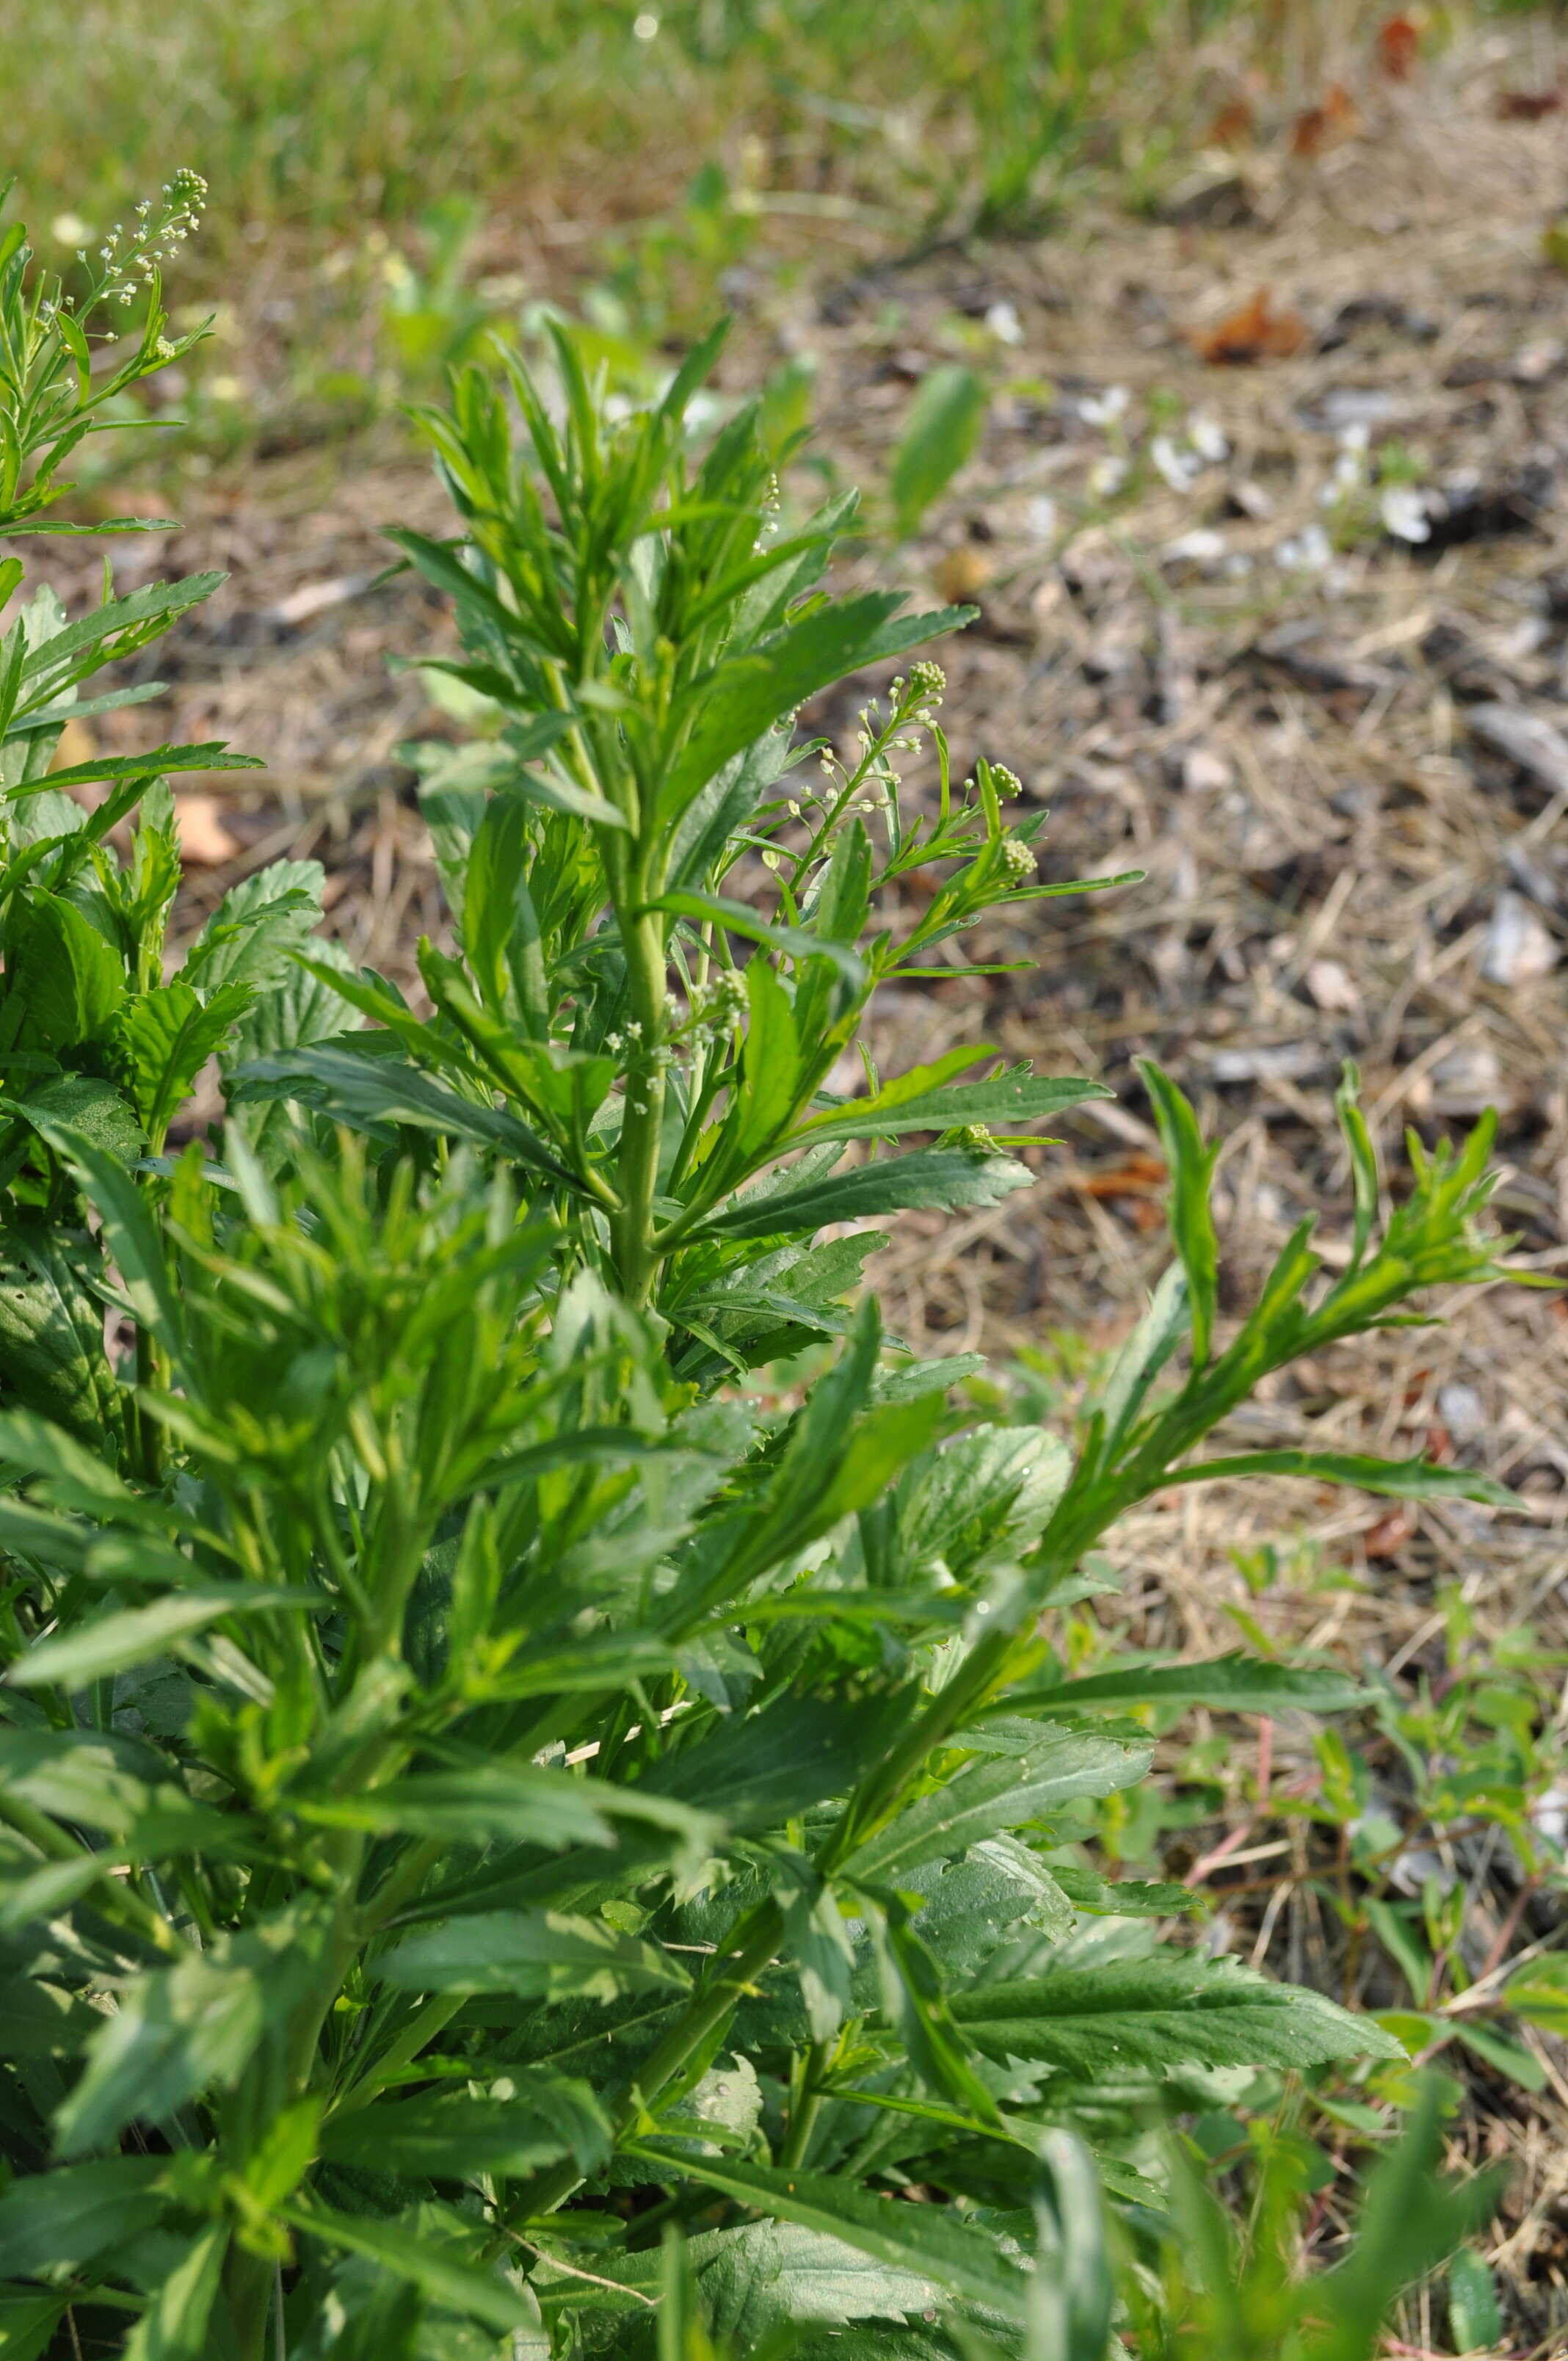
(515, 1843)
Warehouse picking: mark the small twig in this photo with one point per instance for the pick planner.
(573, 2271)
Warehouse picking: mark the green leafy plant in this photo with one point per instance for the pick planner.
(513, 1841)
(94, 1037)
(1203, 2289)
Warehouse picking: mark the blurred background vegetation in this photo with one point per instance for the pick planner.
(379, 167)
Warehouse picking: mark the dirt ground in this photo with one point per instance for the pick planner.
(1339, 755)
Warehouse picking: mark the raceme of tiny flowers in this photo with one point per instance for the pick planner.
(130, 257)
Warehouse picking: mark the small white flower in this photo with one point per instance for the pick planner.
(1105, 409)
(1178, 467)
(1202, 547)
(1206, 438)
(1004, 323)
(69, 229)
(1308, 552)
(1106, 478)
(1404, 513)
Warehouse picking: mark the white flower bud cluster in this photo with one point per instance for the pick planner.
(132, 256)
(723, 1005)
(1017, 860)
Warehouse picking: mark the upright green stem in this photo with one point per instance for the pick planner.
(805, 2104)
(643, 1122)
(148, 1440)
(755, 1941)
(249, 2281)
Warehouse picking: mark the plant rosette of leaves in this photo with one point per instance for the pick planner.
(512, 1846)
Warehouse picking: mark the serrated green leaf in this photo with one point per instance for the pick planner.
(68, 981)
(129, 1233)
(767, 1768)
(258, 923)
(140, 616)
(925, 2240)
(28, 2320)
(88, 1104)
(986, 1796)
(52, 1360)
(1147, 2016)
(1123, 1897)
(163, 1039)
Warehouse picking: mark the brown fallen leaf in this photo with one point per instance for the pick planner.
(1141, 1175)
(1234, 125)
(1528, 105)
(1255, 331)
(1398, 47)
(1388, 1537)
(1328, 126)
(205, 838)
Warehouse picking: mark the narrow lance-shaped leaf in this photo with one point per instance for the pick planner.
(1402, 1479)
(1191, 1220)
(1013, 1097)
(1231, 1684)
(940, 433)
(115, 1643)
(946, 1177)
